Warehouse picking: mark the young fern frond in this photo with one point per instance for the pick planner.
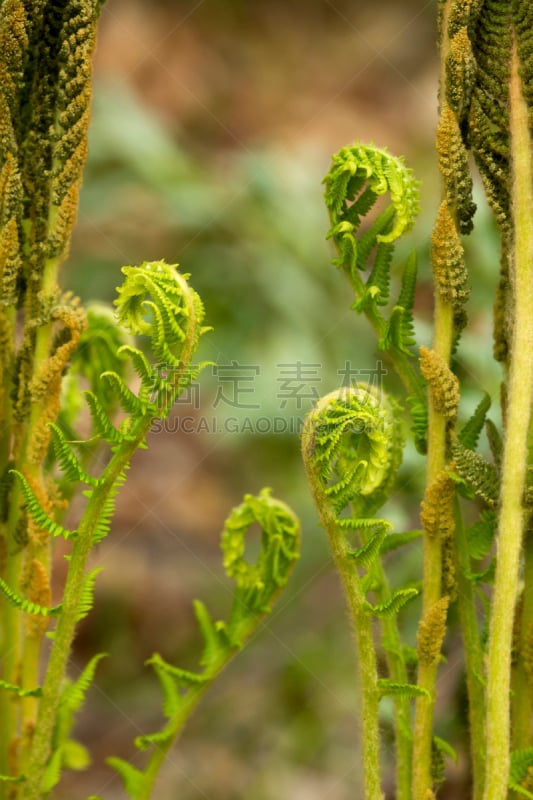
(183, 313)
(353, 433)
(257, 586)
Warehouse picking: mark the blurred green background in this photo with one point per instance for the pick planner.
(213, 126)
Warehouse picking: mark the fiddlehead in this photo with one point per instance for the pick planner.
(360, 175)
(257, 586)
(352, 449)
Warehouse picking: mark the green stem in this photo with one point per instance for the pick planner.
(515, 452)
(402, 362)
(362, 628)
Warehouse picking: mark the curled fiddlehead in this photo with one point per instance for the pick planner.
(359, 176)
(352, 448)
(257, 586)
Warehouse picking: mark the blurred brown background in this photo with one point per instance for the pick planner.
(213, 124)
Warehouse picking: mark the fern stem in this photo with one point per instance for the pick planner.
(362, 628)
(514, 464)
(402, 362)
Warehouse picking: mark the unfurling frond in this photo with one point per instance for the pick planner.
(352, 443)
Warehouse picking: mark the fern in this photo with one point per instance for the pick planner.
(257, 585)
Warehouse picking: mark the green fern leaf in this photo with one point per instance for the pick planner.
(387, 687)
(216, 644)
(397, 601)
(480, 536)
(172, 696)
(27, 605)
(158, 739)
(395, 540)
(87, 594)
(38, 514)
(369, 239)
(419, 428)
(68, 460)
(101, 423)
(367, 554)
(470, 432)
(10, 687)
(127, 399)
(73, 695)
(132, 778)
(445, 748)
(141, 365)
